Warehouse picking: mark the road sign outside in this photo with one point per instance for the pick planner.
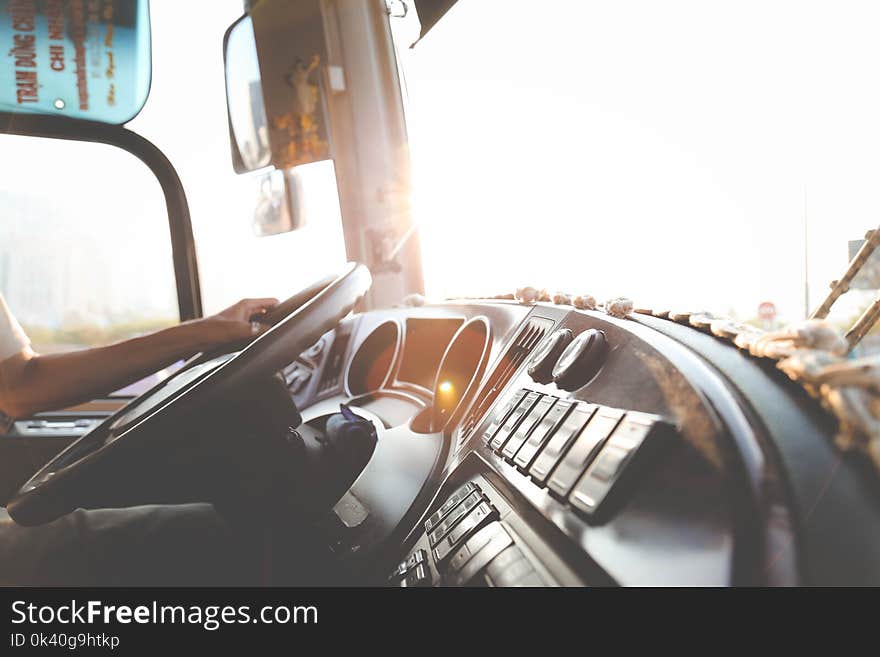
(767, 311)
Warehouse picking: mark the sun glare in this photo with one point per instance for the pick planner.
(619, 151)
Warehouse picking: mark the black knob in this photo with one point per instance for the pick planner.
(581, 360)
(546, 355)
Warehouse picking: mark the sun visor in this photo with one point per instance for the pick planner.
(431, 11)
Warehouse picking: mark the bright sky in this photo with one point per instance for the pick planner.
(186, 117)
(113, 205)
(656, 150)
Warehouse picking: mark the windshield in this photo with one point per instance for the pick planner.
(80, 265)
(687, 154)
(85, 251)
(186, 117)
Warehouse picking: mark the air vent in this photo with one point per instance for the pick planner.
(505, 369)
(336, 359)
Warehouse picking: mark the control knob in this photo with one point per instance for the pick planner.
(581, 360)
(546, 355)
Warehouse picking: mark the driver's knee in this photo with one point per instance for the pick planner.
(50, 554)
(156, 545)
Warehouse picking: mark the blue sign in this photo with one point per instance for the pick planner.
(84, 59)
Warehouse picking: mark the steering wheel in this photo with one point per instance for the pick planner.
(191, 434)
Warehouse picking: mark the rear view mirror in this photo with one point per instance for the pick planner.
(84, 60)
(274, 86)
(244, 98)
(279, 206)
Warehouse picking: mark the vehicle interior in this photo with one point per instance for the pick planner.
(542, 432)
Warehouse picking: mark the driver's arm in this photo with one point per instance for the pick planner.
(32, 383)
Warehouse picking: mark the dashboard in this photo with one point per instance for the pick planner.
(540, 445)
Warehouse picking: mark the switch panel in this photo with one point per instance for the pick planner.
(453, 517)
(468, 525)
(583, 450)
(513, 420)
(453, 501)
(418, 576)
(476, 554)
(502, 413)
(479, 539)
(634, 431)
(560, 441)
(540, 435)
(576, 450)
(512, 569)
(529, 423)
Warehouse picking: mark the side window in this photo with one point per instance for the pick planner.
(85, 250)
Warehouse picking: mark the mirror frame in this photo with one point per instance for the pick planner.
(237, 162)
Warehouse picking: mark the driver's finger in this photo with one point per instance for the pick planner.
(254, 309)
(257, 304)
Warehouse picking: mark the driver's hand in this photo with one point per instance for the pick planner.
(237, 322)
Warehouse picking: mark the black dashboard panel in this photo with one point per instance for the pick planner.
(633, 461)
